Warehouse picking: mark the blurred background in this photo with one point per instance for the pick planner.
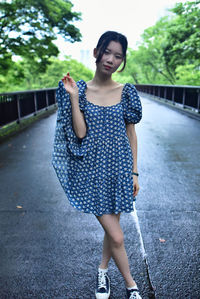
(42, 40)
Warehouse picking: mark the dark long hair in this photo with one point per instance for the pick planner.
(104, 41)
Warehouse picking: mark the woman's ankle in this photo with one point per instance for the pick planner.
(131, 284)
(103, 266)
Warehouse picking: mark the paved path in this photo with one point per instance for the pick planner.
(50, 250)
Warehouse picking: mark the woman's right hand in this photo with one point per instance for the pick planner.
(70, 85)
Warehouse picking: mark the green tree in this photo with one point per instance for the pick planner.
(147, 63)
(169, 52)
(187, 75)
(23, 76)
(28, 28)
(58, 68)
(183, 36)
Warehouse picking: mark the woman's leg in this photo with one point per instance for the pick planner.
(115, 241)
(106, 254)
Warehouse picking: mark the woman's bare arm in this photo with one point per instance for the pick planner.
(78, 120)
(130, 129)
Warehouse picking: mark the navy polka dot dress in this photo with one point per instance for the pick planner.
(96, 171)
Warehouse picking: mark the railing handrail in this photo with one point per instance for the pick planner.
(26, 91)
(136, 84)
(16, 105)
(175, 86)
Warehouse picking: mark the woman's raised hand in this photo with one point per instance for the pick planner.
(70, 85)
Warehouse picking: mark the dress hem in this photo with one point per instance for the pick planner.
(105, 212)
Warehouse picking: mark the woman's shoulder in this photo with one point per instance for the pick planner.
(128, 88)
(129, 85)
(125, 86)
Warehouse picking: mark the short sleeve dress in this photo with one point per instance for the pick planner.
(96, 171)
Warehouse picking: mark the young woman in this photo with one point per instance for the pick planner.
(95, 152)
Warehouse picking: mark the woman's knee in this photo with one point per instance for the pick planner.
(111, 226)
(117, 239)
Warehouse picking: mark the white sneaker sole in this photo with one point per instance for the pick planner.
(102, 296)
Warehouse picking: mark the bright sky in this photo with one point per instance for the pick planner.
(126, 16)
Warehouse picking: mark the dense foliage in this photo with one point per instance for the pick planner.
(23, 76)
(169, 52)
(28, 29)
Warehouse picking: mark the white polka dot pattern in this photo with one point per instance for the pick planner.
(96, 171)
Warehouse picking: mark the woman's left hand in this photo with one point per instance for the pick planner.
(135, 186)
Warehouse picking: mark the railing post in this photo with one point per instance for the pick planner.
(47, 99)
(165, 93)
(55, 97)
(183, 102)
(173, 94)
(198, 101)
(35, 103)
(18, 109)
(159, 91)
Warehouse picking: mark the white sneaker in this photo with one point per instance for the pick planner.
(133, 294)
(102, 290)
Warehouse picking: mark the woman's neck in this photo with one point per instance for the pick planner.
(100, 79)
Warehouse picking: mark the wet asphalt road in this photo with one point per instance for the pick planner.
(50, 250)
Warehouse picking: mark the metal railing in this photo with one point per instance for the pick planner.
(14, 106)
(182, 95)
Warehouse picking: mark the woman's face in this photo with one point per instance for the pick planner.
(111, 59)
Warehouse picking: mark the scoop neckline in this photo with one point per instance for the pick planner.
(101, 106)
